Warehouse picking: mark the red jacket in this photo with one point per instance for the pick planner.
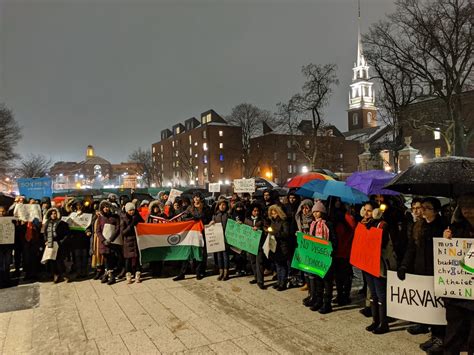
(345, 235)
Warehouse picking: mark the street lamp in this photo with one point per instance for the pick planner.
(304, 169)
(419, 159)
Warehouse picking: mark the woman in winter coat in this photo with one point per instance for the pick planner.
(128, 220)
(57, 231)
(240, 260)
(460, 312)
(255, 220)
(221, 215)
(321, 288)
(111, 222)
(304, 218)
(279, 229)
(97, 260)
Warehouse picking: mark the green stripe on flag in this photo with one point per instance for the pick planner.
(171, 253)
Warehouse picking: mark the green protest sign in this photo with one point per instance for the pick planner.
(242, 236)
(313, 255)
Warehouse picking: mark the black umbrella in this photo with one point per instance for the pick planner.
(448, 177)
(6, 200)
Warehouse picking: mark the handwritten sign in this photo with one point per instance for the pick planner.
(312, 255)
(414, 300)
(7, 230)
(242, 237)
(450, 278)
(214, 238)
(367, 249)
(214, 187)
(27, 213)
(244, 185)
(78, 222)
(50, 253)
(173, 194)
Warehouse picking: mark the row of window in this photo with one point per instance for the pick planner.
(176, 173)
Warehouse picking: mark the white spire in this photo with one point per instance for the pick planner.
(360, 56)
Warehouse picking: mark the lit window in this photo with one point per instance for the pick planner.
(196, 167)
(289, 156)
(204, 146)
(355, 119)
(174, 164)
(172, 144)
(154, 159)
(177, 153)
(437, 152)
(190, 140)
(437, 134)
(204, 134)
(196, 155)
(306, 144)
(204, 159)
(205, 172)
(190, 151)
(208, 118)
(221, 133)
(221, 157)
(177, 163)
(221, 145)
(222, 170)
(161, 148)
(153, 149)
(290, 169)
(195, 144)
(178, 130)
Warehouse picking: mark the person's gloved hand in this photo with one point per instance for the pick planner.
(106, 242)
(401, 273)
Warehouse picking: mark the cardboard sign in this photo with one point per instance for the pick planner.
(7, 230)
(367, 249)
(214, 187)
(214, 238)
(312, 255)
(78, 222)
(173, 194)
(414, 300)
(450, 278)
(244, 185)
(27, 213)
(242, 236)
(36, 188)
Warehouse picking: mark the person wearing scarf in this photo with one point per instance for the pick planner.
(56, 230)
(322, 228)
(255, 221)
(279, 228)
(304, 218)
(221, 215)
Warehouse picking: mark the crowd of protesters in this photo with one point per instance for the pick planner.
(407, 247)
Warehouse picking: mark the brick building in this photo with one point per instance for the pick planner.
(198, 152)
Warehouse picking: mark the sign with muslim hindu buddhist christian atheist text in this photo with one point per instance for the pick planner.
(451, 279)
(414, 300)
(312, 255)
(7, 230)
(242, 236)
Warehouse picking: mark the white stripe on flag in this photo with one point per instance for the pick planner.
(190, 238)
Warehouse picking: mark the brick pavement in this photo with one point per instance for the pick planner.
(207, 316)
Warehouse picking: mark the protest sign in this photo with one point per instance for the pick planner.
(173, 194)
(109, 231)
(414, 300)
(312, 255)
(468, 263)
(7, 230)
(450, 278)
(366, 249)
(242, 236)
(214, 238)
(78, 222)
(244, 185)
(214, 187)
(50, 253)
(27, 213)
(269, 245)
(36, 188)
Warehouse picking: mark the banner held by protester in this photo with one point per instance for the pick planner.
(366, 249)
(312, 255)
(214, 238)
(242, 237)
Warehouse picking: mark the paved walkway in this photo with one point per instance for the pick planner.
(162, 316)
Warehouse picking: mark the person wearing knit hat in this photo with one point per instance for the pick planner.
(319, 207)
(129, 207)
(128, 221)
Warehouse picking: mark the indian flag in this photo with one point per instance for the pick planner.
(170, 241)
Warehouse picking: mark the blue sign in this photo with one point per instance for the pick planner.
(36, 187)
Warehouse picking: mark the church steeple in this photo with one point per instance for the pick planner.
(362, 108)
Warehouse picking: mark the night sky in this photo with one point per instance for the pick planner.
(115, 73)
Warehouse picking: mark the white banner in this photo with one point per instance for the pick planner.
(78, 221)
(214, 238)
(451, 279)
(214, 187)
(173, 194)
(244, 185)
(50, 253)
(27, 213)
(7, 230)
(414, 300)
(108, 232)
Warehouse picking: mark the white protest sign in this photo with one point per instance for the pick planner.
(27, 213)
(109, 231)
(214, 187)
(414, 300)
(468, 263)
(214, 238)
(7, 230)
(450, 278)
(78, 222)
(244, 185)
(173, 194)
(50, 253)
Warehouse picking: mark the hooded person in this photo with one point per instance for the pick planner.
(108, 230)
(221, 215)
(56, 231)
(143, 210)
(114, 202)
(238, 214)
(255, 220)
(128, 221)
(155, 212)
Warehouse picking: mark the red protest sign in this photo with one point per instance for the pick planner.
(366, 249)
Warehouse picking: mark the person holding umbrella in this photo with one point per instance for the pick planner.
(460, 312)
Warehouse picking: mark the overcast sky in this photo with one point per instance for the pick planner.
(115, 73)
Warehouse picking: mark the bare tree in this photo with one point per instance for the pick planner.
(34, 166)
(185, 160)
(432, 42)
(10, 134)
(250, 119)
(144, 159)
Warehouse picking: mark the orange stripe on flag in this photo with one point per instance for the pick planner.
(316, 240)
(168, 228)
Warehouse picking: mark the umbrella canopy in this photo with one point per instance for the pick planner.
(6, 200)
(322, 189)
(448, 177)
(371, 182)
(263, 184)
(300, 180)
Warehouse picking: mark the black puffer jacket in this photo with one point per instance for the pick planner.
(280, 230)
(127, 231)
